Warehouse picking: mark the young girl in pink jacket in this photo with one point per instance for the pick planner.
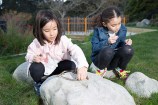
(51, 53)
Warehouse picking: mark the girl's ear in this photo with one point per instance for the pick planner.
(104, 24)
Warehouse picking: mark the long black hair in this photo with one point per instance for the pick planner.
(42, 18)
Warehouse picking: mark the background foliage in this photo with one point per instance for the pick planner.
(138, 9)
(135, 9)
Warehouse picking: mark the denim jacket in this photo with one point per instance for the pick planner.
(100, 39)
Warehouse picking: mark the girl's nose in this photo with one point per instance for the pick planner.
(117, 28)
(51, 33)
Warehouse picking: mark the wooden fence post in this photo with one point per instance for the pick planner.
(124, 20)
(68, 24)
(85, 24)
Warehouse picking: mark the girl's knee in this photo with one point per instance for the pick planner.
(37, 71)
(128, 50)
(73, 65)
(36, 66)
(67, 65)
(107, 51)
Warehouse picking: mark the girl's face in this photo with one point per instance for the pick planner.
(114, 24)
(50, 31)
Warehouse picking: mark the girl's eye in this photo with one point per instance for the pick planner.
(46, 30)
(113, 25)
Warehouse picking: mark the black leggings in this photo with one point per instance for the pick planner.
(37, 69)
(110, 58)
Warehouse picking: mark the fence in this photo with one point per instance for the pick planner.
(79, 26)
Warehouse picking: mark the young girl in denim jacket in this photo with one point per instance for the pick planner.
(51, 53)
(110, 48)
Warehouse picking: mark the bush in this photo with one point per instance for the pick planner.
(13, 44)
(18, 35)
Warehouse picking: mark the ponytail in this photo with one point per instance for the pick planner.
(97, 21)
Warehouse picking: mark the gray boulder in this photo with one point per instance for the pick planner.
(143, 23)
(141, 85)
(20, 73)
(66, 90)
(140, 24)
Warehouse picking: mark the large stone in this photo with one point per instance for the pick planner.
(140, 24)
(66, 90)
(141, 85)
(145, 21)
(20, 73)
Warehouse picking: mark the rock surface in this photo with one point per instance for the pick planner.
(142, 85)
(20, 73)
(65, 90)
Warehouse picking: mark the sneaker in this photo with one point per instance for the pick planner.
(123, 74)
(97, 71)
(37, 88)
(101, 72)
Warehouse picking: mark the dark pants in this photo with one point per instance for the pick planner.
(110, 58)
(37, 69)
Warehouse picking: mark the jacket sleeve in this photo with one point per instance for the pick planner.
(97, 42)
(31, 52)
(122, 36)
(76, 53)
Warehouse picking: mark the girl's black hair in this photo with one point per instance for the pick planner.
(42, 18)
(106, 15)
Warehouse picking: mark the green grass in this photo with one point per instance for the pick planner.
(12, 92)
(145, 60)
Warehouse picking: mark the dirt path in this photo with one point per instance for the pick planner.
(139, 30)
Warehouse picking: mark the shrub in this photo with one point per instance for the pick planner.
(13, 44)
(18, 35)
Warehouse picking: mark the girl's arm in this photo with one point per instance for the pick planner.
(78, 56)
(33, 54)
(98, 44)
(122, 36)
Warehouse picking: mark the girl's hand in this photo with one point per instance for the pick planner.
(82, 73)
(37, 58)
(128, 42)
(112, 39)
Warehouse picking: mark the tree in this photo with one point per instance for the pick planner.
(102, 4)
(28, 6)
(59, 6)
(138, 9)
(88, 8)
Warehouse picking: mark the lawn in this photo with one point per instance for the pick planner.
(145, 60)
